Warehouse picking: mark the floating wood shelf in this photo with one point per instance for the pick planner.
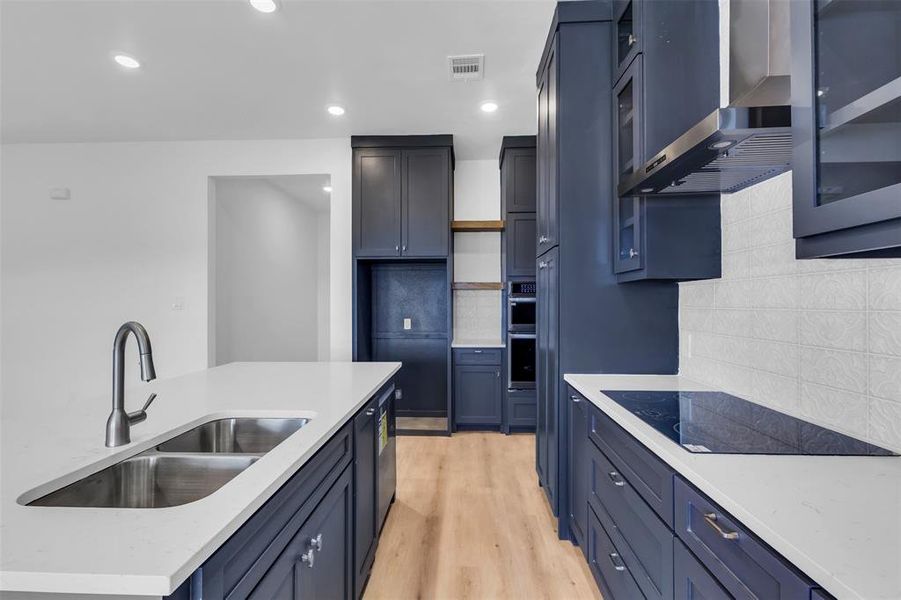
(477, 226)
(478, 285)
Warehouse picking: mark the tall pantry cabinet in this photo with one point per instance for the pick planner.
(586, 322)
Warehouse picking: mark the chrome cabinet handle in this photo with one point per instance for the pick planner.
(405, 248)
(542, 265)
(632, 253)
(316, 542)
(710, 519)
(308, 558)
(632, 39)
(476, 351)
(369, 413)
(397, 248)
(617, 562)
(542, 239)
(616, 479)
(575, 399)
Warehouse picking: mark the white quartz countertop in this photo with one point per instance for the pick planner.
(149, 552)
(478, 343)
(836, 518)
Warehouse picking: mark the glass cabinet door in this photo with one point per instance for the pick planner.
(627, 235)
(850, 113)
(628, 155)
(627, 39)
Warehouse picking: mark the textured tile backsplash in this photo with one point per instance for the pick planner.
(820, 339)
(477, 315)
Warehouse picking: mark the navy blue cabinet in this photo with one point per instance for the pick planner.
(579, 467)
(518, 172)
(364, 469)
(519, 245)
(402, 196)
(316, 563)
(744, 565)
(692, 581)
(520, 410)
(478, 395)
(547, 204)
(547, 376)
(846, 128)
(668, 80)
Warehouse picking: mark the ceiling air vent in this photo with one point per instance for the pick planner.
(466, 67)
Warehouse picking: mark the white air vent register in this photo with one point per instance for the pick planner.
(466, 67)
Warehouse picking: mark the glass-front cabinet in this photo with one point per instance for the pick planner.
(846, 120)
(627, 41)
(628, 155)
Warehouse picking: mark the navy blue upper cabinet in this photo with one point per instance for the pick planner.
(666, 56)
(846, 125)
(518, 171)
(547, 202)
(376, 191)
(627, 35)
(402, 196)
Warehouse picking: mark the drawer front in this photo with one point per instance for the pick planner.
(645, 543)
(692, 580)
(522, 408)
(650, 476)
(477, 356)
(605, 562)
(743, 564)
(236, 567)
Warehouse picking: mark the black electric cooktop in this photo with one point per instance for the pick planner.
(719, 423)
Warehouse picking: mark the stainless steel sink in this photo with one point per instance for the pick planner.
(183, 469)
(236, 435)
(151, 480)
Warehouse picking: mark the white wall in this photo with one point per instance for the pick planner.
(477, 256)
(266, 298)
(132, 239)
(820, 339)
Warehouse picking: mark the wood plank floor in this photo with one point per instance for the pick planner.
(471, 522)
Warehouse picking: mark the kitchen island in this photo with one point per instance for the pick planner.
(149, 553)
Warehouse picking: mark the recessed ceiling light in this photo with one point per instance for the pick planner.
(124, 60)
(335, 110)
(720, 145)
(327, 189)
(488, 107)
(264, 6)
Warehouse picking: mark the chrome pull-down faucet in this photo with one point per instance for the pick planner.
(118, 426)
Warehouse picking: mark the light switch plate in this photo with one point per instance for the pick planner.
(408, 323)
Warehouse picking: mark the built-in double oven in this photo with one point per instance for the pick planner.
(521, 335)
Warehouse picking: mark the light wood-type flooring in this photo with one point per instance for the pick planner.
(470, 521)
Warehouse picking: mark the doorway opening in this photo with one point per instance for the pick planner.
(269, 268)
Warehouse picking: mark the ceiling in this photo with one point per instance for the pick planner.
(217, 69)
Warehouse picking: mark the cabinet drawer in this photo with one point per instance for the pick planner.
(522, 408)
(693, 581)
(744, 565)
(606, 564)
(650, 477)
(237, 566)
(645, 543)
(477, 356)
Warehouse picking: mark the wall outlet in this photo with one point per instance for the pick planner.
(408, 323)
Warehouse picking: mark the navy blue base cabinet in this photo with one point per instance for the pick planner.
(315, 537)
(648, 534)
(520, 410)
(478, 388)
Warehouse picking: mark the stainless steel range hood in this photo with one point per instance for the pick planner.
(735, 147)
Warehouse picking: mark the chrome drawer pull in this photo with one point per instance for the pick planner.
(370, 411)
(617, 562)
(710, 519)
(316, 543)
(575, 399)
(616, 479)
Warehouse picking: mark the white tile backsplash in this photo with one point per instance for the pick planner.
(820, 339)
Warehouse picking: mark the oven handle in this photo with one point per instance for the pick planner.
(528, 300)
(521, 336)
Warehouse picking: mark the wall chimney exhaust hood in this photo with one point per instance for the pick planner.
(748, 142)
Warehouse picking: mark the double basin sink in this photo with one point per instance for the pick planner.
(185, 468)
